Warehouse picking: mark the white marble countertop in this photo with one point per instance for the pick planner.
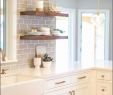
(50, 73)
(54, 72)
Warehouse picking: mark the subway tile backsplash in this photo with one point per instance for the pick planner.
(26, 48)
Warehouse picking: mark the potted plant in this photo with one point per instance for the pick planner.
(47, 61)
(57, 32)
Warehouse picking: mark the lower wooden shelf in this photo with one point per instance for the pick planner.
(36, 13)
(44, 37)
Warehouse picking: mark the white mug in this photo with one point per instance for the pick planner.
(37, 62)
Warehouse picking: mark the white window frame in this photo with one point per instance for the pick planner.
(106, 33)
(71, 35)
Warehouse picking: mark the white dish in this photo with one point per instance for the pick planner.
(44, 29)
(34, 33)
(38, 33)
(56, 33)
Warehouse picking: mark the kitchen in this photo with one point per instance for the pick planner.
(21, 49)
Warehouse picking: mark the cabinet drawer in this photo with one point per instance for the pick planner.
(80, 78)
(104, 89)
(75, 79)
(58, 82)
(102, 75)
(63, 91)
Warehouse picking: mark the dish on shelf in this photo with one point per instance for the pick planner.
(33, 33)
(58, 33)
(38, 33)
(44, 29)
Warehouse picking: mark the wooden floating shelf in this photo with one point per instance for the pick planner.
(36, 13)
(37, 37)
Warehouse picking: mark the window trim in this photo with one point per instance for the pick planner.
(72, 36)
(106, 55)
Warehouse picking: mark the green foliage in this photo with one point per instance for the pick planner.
(46, 58)
(61, 31)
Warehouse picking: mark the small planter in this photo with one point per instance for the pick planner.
(47, 64)
(47, 61)
(37, 62)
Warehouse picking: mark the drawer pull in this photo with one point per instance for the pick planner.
(82, 77)
(102, 76)
(73, 92)
(60, 82)
(103, 90)
(70, 92)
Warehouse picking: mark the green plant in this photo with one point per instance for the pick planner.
(46, 58)
(61, 31)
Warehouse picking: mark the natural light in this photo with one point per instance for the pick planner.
(92, 38)
(1, 25)
(62, 45)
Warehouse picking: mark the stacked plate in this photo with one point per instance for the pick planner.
(42, 31)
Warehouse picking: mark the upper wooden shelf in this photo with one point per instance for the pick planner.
(43, 14)
(45, 37)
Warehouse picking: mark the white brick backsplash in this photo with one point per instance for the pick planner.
(26, 48)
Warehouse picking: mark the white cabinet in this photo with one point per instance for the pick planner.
(104, 89)
(74, 90)
(76, 84)
(63, 91)
(87, 82)
(104, 82)
(82, 89)
(58, 82)
(104, 75)
(101, 82)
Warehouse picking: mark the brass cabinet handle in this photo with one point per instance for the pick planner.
(82, 77)
(70, 92)
(73, 92)
(103, 90)
(60, 82)
(102, 76)
(3, 71)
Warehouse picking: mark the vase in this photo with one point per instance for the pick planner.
(46, 64)
(37, 62)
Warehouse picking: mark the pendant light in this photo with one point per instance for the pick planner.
(98, 7)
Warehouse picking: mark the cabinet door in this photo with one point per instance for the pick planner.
(111, 89)
(82, 89)
(65, 91)
(104, 89)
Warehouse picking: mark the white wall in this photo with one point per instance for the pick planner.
(89, 4)
(67, 3)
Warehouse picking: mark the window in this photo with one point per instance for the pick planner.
(94, 38)
(62, 45)
(2, 25)
(65, 49)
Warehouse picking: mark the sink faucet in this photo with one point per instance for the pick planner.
(3, 71)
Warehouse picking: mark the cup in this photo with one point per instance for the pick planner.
(37, 62)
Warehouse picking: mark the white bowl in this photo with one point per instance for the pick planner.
(44, 29)
(56, 33)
